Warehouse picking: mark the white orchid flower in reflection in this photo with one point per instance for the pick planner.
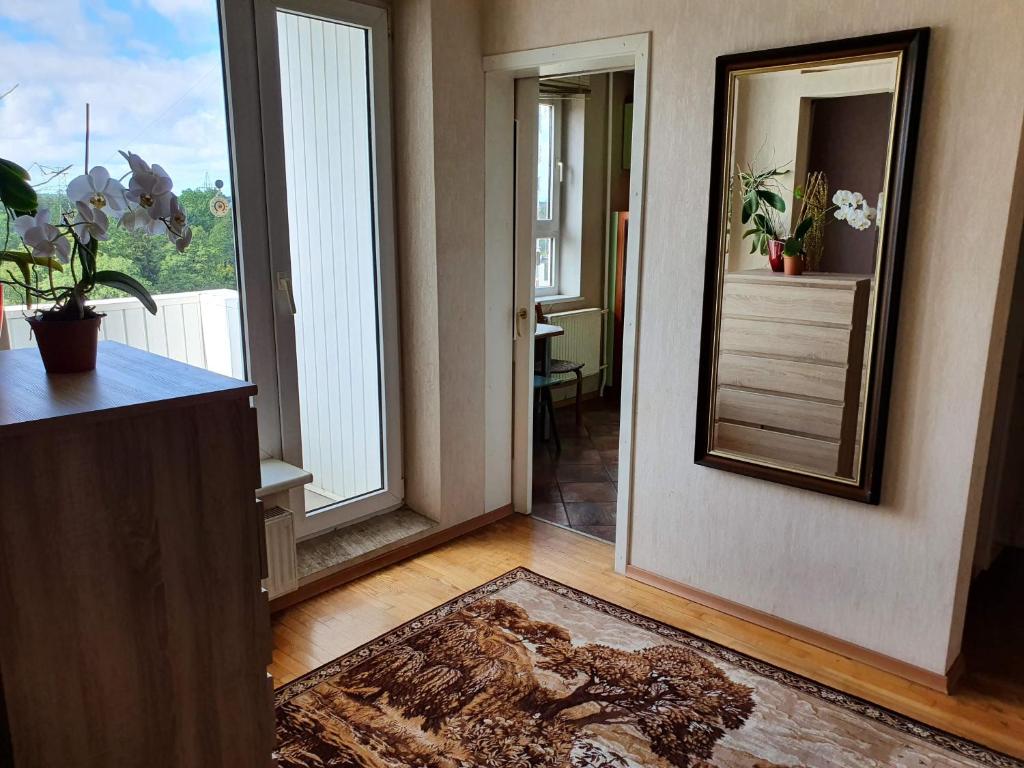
(41, 237)
(92, 223)
(99, 190)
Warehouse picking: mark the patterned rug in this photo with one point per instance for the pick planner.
(525, 672)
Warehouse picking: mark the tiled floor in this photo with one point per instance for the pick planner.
(577, 487)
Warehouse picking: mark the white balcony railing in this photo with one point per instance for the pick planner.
(201, 328)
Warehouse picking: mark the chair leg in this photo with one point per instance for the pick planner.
(579, 399)
(549, 403)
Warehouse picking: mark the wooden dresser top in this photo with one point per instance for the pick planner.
(126, 380)
(806, 280)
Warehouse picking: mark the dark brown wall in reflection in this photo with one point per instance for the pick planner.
(849, 142)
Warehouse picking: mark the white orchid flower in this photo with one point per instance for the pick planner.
(41, 237)
(139, 220)
(99, 190)
(184, 239)
(92, 223)
(178, 230)
(136, 163)
(149, 188)
(842, 197)
(179, 216)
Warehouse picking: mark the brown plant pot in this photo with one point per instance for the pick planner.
(794, 265)
(67, 346)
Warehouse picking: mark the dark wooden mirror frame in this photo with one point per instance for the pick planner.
(913, 44)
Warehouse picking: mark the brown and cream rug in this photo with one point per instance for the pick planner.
(525, 672)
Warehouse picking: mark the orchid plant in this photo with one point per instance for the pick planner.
(852, 208)
(73, 238)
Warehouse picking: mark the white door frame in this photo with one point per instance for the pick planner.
(501, 71)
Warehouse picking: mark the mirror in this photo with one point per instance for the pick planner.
(810, 188)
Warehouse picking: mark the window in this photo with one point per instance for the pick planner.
(549, 193)
(154, 84)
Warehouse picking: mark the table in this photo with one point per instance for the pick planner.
(543, 335)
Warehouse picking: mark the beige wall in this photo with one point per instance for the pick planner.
(891, 578)
(439, 126)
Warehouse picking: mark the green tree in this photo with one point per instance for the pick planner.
(209, 262)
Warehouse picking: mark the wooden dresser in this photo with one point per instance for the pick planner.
(134, 630)
(790, 368)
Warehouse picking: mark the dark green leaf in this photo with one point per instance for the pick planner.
(749, 206)
(15, 168)
(803, 228)
(128, 284)
(773, 199)
(793, 247)
(15, 191)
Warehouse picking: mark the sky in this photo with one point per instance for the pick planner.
(150, 70)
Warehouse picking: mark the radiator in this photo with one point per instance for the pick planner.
(581, 341)
(282, 575)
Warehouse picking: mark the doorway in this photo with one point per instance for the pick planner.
(580, 235)
(549, 90)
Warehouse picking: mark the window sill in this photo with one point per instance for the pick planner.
(558, 299)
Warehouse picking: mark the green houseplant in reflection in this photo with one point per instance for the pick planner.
(764, 208)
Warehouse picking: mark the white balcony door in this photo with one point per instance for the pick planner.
(324, 105)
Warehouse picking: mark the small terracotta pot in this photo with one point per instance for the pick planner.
(67, 346)
(775, 254)
(794, 265)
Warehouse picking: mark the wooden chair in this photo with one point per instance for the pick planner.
(562, 367)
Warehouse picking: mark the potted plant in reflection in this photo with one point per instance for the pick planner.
(763, 209)
(66, 327)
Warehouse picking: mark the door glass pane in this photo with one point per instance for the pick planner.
(327, 142)
(545, 160)
(152, 76)
(545, 262)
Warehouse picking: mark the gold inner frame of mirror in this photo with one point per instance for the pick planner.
(723, 207)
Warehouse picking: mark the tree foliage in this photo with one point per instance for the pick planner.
(208, 263)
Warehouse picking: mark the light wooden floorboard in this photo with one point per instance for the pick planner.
(325, 627)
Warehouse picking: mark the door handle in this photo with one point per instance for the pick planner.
(521, 314)
(284, 283)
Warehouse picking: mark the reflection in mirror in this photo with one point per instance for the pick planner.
(808, 150)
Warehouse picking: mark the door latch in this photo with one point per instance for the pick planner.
(284, 283)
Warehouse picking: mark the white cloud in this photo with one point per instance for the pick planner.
(176, 9)
(169, 111)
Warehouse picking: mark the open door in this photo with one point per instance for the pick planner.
(526, 98)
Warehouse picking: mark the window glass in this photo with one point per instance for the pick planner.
(151, 72)
(545, 262)
(545, 160)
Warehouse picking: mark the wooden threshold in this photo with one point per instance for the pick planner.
(348, 573)
(943, 683)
